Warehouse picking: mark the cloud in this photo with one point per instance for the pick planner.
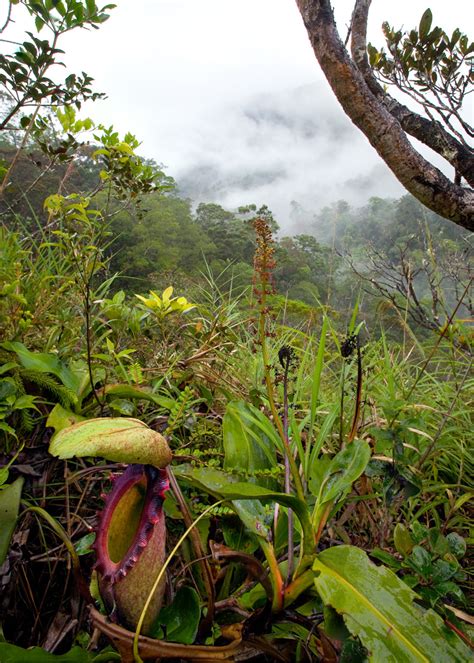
(295, 145)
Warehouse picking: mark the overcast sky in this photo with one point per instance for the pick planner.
(184, 74)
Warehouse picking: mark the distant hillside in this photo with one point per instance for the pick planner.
(271, 151)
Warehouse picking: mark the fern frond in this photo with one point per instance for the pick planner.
(65, 396)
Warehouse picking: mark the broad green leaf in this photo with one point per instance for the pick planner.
(167, 293)
(420, 560)
(9, 506)
(181, 618)
(121, 439)
(251, 512)
(84, 545)
(379, 608)
(340, 473)
(251, 491)
(122, 406)
(237, 537)
(246, 447)
(246, 499)
(138, 393)
(43, 363)
(329, 479)
(457, 545)
(438, 543)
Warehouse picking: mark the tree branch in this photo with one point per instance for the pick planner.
(385, 133)
(430, 133)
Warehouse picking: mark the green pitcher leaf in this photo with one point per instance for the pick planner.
(122, 440)
(379, 608)
(9, 506)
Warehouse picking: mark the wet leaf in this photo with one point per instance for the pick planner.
(379, 608)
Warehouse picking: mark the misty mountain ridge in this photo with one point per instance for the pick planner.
(275, 149)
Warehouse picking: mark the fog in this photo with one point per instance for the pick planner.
(296, 145)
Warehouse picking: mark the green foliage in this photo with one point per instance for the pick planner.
(10, 496)
(12, 654)
(380, 609)
(84, 355)
(250, 441)
(430, 563)
(127, 175)
(329, 479)
(434, 68)
(162, 306)
(179, 621)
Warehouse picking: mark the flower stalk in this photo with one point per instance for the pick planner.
(263, 265)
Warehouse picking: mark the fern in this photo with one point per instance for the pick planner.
(27, 421)
(65, 396)
(178, 414)
(135, 373)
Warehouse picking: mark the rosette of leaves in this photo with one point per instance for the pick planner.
(166, 304)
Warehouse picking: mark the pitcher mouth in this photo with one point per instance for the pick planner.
(132, 509)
